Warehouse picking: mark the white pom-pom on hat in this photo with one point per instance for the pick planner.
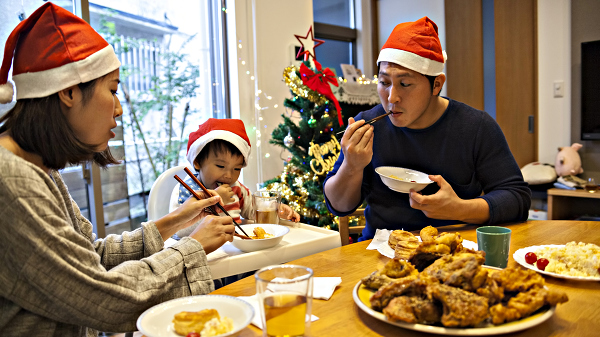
(6, 93)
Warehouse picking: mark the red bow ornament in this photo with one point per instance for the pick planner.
(319, 82)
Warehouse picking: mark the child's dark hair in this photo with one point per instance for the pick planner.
(217, 146)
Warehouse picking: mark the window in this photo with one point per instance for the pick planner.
(334, 23)
(173, 62)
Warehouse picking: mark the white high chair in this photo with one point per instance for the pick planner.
(160, 194)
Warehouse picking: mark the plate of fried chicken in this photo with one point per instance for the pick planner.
(455, 295)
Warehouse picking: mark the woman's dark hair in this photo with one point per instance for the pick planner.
(217, 146)
(38, 125)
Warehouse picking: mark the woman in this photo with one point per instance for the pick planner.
(56, 279)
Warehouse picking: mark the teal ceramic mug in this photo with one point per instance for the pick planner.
(495, 242)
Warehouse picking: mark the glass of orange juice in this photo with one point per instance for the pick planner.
(266, 206)
(285, 297)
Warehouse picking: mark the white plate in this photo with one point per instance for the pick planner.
(385, 249)
(157, 321)
(489, 330)
(519, 256)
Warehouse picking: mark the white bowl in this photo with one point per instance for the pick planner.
(252, 245)
(402, 179)
(157, 321)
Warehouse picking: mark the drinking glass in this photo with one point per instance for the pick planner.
(285, 299)
(266, 206)
(591, 186)
(495, 242)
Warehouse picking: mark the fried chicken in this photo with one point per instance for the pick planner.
(518, 279)
(434, 248)
(461, 308)
(393, 270)
(492, 291)
(428, 233)
(525, 304)
(460, 270)
(386, 293)
(413, 309)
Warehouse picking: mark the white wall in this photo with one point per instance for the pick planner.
(393, 12)
(554, 61)
(265, 30)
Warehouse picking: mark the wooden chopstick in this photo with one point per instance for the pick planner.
(189, 173)
(209, 208)
(341, 133)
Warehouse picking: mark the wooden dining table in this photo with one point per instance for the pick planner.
(340, 316)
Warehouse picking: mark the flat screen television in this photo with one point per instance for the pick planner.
(590, 90)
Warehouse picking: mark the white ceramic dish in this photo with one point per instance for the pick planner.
(157, 321)
(253, 245)
(519, 256)
(363, 303)
(402, 179)
(385, 249)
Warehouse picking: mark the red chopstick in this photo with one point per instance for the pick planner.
(209, 208)
(189, 173)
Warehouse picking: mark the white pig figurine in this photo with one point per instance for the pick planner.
(568, 161)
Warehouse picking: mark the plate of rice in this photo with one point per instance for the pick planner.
(574, 261)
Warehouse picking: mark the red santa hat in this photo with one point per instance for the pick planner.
(231, 130)
(416, 46)
(50, 51)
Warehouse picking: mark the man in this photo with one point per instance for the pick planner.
(463, 149)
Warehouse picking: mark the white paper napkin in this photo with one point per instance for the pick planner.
(323, 287)
(381, 236)
(256, 320)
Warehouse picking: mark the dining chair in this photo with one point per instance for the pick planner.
(345, 229)
(160, 193)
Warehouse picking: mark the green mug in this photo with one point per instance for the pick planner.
(495, 242)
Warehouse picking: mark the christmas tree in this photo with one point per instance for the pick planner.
(312, 142)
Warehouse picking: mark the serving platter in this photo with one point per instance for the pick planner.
(362, 294)
(519, 257)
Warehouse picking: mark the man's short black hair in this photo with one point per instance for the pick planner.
(430, 78)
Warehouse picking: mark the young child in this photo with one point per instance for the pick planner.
(218, 150)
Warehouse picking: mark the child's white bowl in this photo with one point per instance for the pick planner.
(258, 244)
(402, 180)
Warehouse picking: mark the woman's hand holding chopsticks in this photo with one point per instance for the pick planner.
(212, 231)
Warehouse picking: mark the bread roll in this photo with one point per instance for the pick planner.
(189, 321)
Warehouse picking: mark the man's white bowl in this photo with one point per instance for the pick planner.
(402, 179)
(252, 245)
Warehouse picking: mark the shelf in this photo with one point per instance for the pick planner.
(571, 204)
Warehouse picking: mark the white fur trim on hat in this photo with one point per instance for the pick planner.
(229, 136)
(412, 61)
(6, 93)
(47, 82)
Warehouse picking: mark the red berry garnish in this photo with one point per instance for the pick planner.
(530, 258)
(542, 263)
(193, 334)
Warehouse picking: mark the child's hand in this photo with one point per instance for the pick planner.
(286, 212)
(226, 193)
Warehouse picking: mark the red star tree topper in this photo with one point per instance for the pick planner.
(316, 43)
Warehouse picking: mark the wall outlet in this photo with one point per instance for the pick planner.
(559, 88)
